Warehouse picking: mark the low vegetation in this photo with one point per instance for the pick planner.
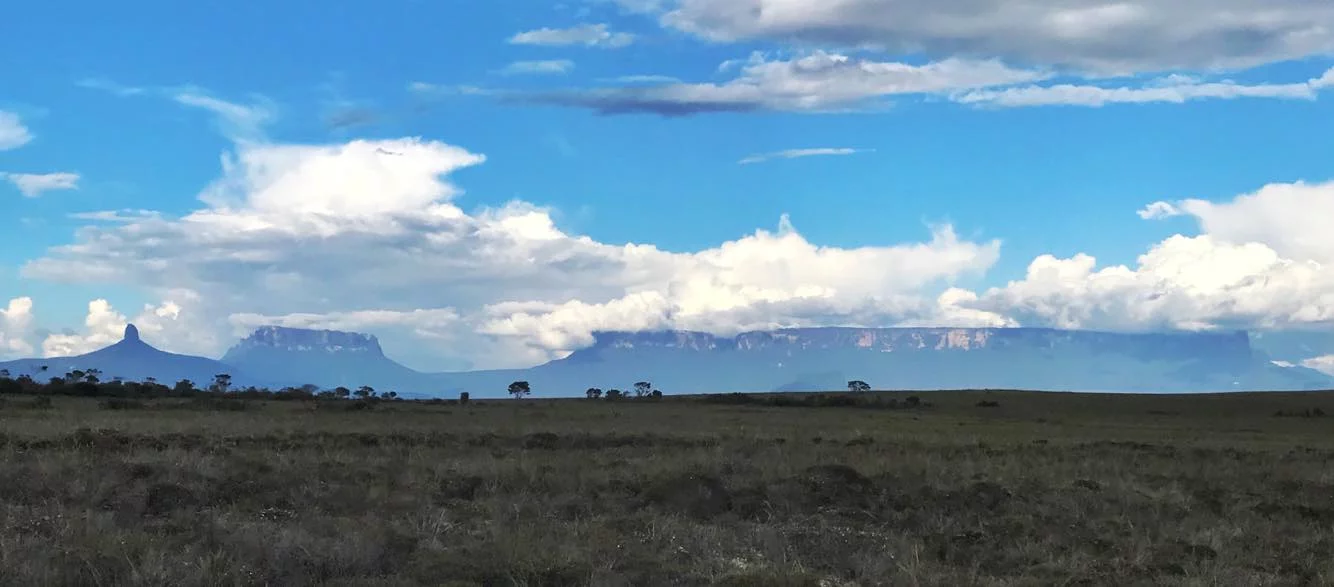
(798, 489)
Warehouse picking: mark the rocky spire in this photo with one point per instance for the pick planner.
(131, 333)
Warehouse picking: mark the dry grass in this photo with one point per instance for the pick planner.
(1039, 490)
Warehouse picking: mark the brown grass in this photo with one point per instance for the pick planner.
(1037, 490)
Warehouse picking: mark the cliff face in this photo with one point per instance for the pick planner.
(822, 359)
(297, 340)
(1184, 345)
(327, 358)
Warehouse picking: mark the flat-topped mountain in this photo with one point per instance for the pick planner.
(272, 338)
(327, 358)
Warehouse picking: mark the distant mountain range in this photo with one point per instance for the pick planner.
(810, 359)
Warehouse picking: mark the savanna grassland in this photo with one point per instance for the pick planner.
(969, 488)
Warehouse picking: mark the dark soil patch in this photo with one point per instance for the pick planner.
(694, 495)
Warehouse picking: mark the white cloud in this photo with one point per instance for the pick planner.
(547, 67)
(1182, 283)
(590, 35)
(15, 328)
(167, 324)
(32, 185)
(365, 231)
(1263, 261)
(639, 6)
(106, 85)
(425, 322)
(1158, 211)
(12, 132)
(642, 79)
(954, 308)
(103, 326)
(1121, 37)
(1323, 364)
(1175, 90)
(426, 89)
(237, 121)
(1292, 218)
(799, 153)
(818, 81)
(126, 215)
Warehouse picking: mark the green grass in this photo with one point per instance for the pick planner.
(1042, 489)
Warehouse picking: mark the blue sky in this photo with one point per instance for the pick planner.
(626, 121)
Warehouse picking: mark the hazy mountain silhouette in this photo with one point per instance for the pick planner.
(823, 359)
(810, 359)
(133, 360)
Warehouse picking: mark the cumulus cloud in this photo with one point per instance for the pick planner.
(1182, 283)
(167, 323)
(1092, 35)
(344, 233)
(12, 132)
(546, 67)
(32, 185)
(815, 82)
(15, 328)
(103, 326)
(1176, 90)
(1292, 218)
(799, 153)
(589, 35)
(1262, 261)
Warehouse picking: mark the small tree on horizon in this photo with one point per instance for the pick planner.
(614, 394)
(520, 389)
(465, 397)
(365, 392)
(342, 392)
(643, 388)
(221, 382)
(858, 386)
(593, 393)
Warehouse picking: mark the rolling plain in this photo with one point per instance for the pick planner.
(952, 488)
